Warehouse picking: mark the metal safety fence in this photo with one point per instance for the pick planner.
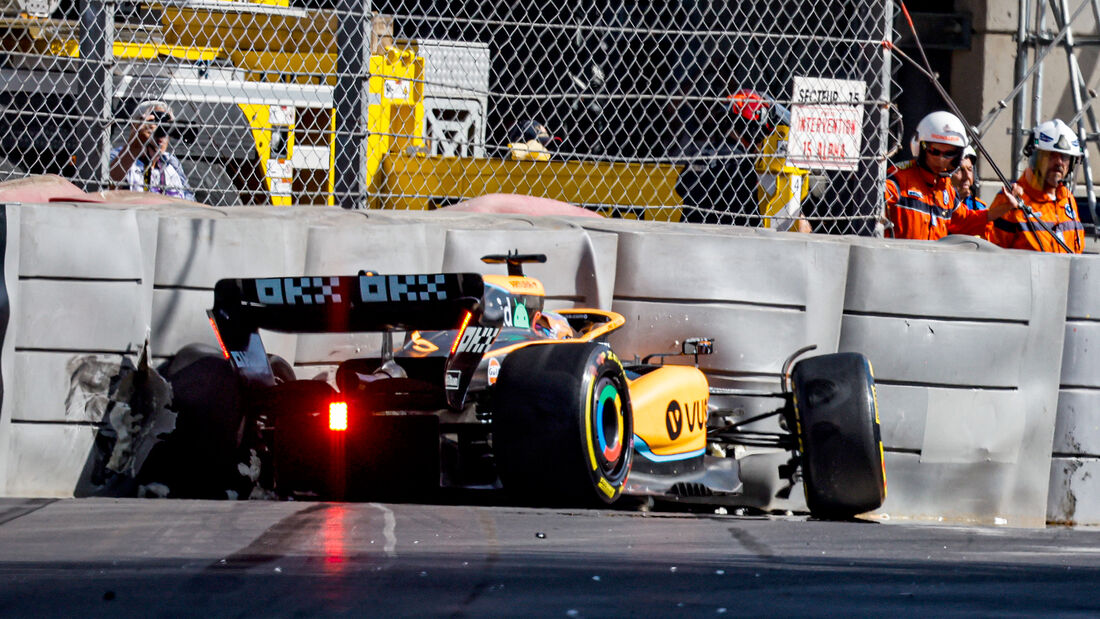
(761, 113)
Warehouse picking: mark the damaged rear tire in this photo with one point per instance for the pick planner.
(199, 459)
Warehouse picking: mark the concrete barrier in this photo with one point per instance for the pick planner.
(197, 247)
(970, 381)
(761, 295)
(1075, 467)
(580, 267)
(81, 300)
(966, 372)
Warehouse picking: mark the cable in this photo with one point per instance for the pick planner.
(926, 70)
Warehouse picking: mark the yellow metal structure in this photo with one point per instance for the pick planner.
(249, 26)
(613, 189)
(251, 37)
(394, 123)
(782, 187)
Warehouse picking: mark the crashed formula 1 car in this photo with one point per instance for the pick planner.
(491, 390)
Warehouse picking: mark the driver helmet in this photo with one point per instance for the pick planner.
(939, 128)
(552, 325)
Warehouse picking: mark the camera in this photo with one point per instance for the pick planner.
(161, 118)
(169, 127)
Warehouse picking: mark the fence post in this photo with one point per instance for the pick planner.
(882, 107)
(97, 30)
(867, 197)
(1019, 102)
(352, 67)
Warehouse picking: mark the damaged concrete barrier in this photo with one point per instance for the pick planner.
(966, 370)
(79, 284)
(968, 379)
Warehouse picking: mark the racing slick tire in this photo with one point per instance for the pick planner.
(563, 430)
(281, 369)
(199, 458)
(838, 435)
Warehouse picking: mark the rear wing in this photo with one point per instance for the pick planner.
(348, 304)
(362, 303)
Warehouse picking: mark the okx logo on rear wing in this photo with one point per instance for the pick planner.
(342, 304)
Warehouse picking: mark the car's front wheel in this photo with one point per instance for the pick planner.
(838, 435)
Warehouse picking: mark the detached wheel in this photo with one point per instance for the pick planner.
(563, 431)
(838, 435)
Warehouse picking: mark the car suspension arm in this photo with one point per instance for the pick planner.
(732, 433)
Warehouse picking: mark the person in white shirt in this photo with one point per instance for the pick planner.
(144, 163)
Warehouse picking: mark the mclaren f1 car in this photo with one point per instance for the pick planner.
(490, 389)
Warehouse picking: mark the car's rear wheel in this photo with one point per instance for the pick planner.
(563, 430)
(199, 458)
(281, 369)
(838, 435)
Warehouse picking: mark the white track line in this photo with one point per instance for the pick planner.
(388, 530)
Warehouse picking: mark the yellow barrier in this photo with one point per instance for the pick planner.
(624, 190)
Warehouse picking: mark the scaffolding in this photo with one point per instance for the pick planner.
(1042, 26)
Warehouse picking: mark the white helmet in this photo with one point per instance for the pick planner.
(1053, 136)
(941, 128)
(970, 153)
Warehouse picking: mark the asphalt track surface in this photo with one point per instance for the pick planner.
(107, 557)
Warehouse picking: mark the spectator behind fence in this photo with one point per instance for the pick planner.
(144, 163)
(1052, 151)
(530, 140)
(920, 198)
(719, 182)
(963, 182)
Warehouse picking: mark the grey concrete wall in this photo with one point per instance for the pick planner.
(1075, 467)
(89, 283)
(80, 285)
(975, 394)
(760, 294)
(966, 372)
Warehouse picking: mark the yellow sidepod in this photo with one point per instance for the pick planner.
(670, 412)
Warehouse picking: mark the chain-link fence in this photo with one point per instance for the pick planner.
(755, 112)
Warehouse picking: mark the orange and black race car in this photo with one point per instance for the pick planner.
(492, 390)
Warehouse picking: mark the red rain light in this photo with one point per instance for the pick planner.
(338, 416)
